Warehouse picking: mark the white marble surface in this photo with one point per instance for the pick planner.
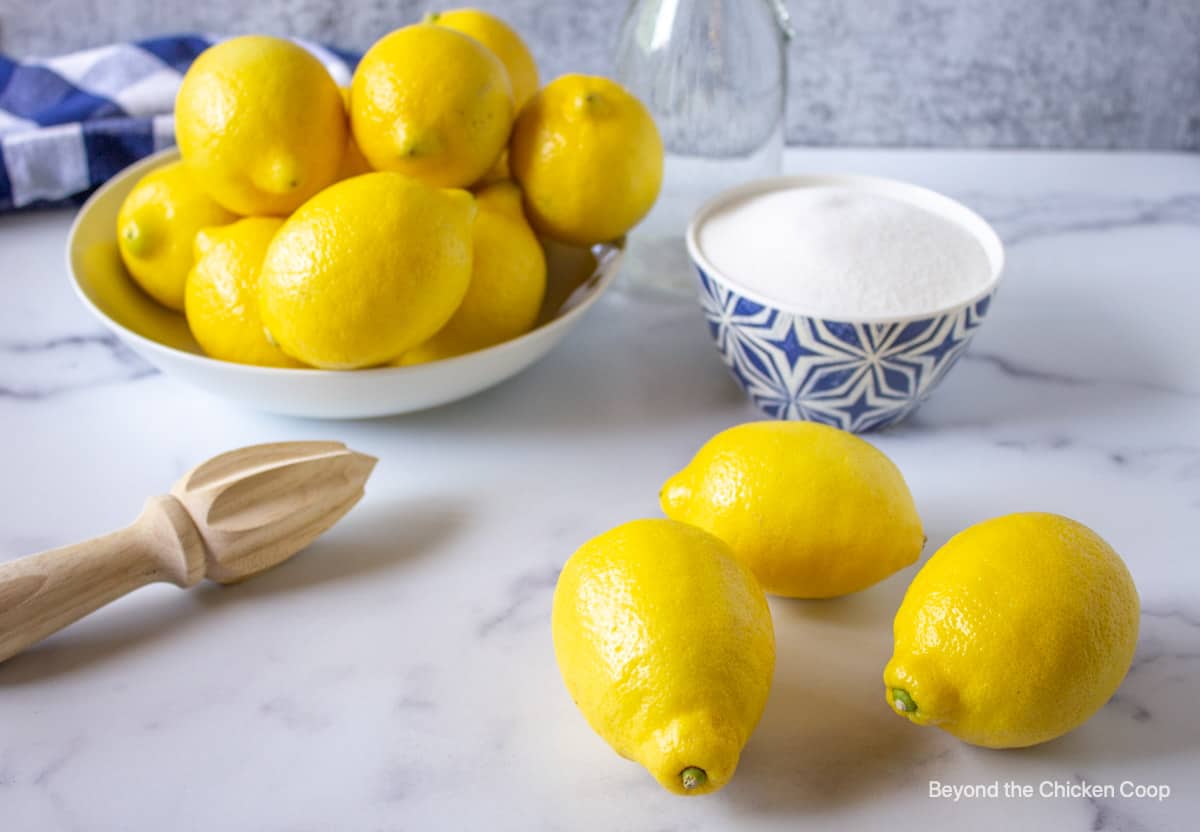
(400, 675)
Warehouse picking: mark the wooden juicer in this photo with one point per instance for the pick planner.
(228, 519)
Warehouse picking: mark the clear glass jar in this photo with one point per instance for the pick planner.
(713, 73)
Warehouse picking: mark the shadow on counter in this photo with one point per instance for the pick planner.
(375, 542)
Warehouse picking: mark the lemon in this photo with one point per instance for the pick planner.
(813, 511)
(366, 269)
(503, 42)
(353, 163)
(1015, 632)
(432, 103)
(589, 158)
(508, 281)
(260, 122)
(222, 293)
(497, 173)
(666, 645)
(155, 228)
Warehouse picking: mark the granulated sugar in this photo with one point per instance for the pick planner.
(837, 252)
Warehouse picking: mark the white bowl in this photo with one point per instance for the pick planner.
(576, 279)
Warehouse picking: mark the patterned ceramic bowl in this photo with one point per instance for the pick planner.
(860, 374)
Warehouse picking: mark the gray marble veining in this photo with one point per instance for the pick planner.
(950, 73)
(72, 361)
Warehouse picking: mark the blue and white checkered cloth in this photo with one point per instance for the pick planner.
(69, 123)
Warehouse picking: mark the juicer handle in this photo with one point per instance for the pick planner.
(41, 594)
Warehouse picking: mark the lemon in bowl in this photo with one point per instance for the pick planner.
(589, 158)
(433, 103)
(367, 269)
(156, 226)
(221, 301)
(261, 124)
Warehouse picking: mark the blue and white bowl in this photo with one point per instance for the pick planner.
(858, 375)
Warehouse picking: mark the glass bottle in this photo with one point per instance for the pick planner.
(713, 73)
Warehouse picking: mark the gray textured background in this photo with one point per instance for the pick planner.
(1009, 73)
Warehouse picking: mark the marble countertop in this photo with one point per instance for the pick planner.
(400, 673)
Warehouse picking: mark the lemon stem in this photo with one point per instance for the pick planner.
(138, 239)
(593, 104)
(903, 702)
(693, 777)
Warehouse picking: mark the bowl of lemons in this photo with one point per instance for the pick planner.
(409, 240)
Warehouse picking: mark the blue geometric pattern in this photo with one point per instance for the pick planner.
(857, 377)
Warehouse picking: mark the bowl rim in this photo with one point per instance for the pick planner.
(607, 267)
(917, 195)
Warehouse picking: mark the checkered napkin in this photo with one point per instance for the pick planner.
(69, 123)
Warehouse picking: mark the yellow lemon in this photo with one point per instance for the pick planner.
(508, 281)
(666, 645)
(261, 123)
(354, 163)
(155, 228)
(813, 511)
(589, 158)
(366, 269)
(503, 42)
(497, 173)
(1015, 632)
(222, 293)
(432, 103)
